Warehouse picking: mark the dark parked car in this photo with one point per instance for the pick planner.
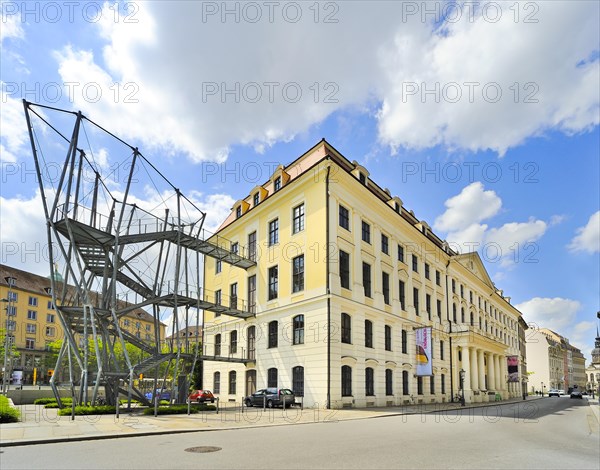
(576, 393)
(271, 397)
(165, 395)
(201, 396)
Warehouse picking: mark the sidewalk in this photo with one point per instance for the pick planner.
(40, 425)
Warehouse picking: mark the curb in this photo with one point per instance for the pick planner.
(78, 438)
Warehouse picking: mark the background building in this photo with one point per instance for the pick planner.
(593, 370)
(33, 324)
(344, 278)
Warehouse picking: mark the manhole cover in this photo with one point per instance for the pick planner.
(203, 449)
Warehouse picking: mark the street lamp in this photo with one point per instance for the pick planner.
(543, 389)
(462, 387)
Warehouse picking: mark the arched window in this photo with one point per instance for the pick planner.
(472, 319)
(298, 381)
(217, 345)
(346, 381)
(273, 334)
(233, 342)
(389, 385)
(217, 382)
(232, 382)
(369, 382)
(251, 342)
(346, 328)
(405, 387)
(368, 334)
(272, 377)
(298, 325)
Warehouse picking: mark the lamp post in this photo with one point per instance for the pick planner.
(543, 389)
(462, 387)
(7, 344)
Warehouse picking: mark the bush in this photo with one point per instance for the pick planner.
(44, 401)
(8, 414)
(179, 409)
(88, 410)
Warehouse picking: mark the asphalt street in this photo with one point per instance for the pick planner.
(557, 433)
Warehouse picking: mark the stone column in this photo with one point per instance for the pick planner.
(467, 368)
(498, 372)
(481, 370)
(474, 370)
(491, 371)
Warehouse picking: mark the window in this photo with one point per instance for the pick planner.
(233, 295)
(416, 300)
(31, 315)
(273, 282)
(400, 253)
(11, 310)
(50, 331)
(274, 232)
(233, 339)
(385, 245)
(427, 271)
(273, 334)
(389, 388)
(369, 382)
(298, 381)
(385, 282)
(366, 268)
(298, 274)
(471, 296)
(462, 292)
(472, 319)
(217, 345)
(12, 296)
(126, 322)
(256, 199)
(438, 278)
(252, 246)
(368, 334)
(442, 350)
(12, 325)
(388, 337)
(345, 269)
(235, 248)
(232, 382)
(432, 385)
(217, 382)
(251, 342)
(346, 381)
(402, 294)
(33, 301)
(404, 342)
(138, 325)
(252, 294)
(298, 219)
(29, 343)
(272, 377)
(277, 184)
(344, 218)
(405, 388)
(415, 263)
(419, 385)
(298, 326)
(30, 328)
(438, 307)
(238, 212)
(218, 298)
(50, 305)
(428, 305)
(346, 329)
(366, 232)
(362, 178)
(462, 315)
(454, 313)
(443, 383)
(453, 286)
(149, 328)
(218, 266)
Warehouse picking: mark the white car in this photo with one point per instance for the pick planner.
(554, 393)
(561, 392)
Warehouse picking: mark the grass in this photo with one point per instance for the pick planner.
(8, 414)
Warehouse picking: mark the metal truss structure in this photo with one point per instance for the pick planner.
(123, 254)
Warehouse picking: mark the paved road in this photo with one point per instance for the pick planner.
(555, 433)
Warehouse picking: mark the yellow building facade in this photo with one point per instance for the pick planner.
(32, 322)
(344, 276)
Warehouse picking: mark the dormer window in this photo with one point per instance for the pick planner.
(277, 184)
(362, 178)
(397, 207)
(238, 212)
(256, 199)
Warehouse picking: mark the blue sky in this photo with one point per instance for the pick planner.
(483, 121)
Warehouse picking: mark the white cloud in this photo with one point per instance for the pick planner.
(14, 131)
(588, 237)
(11, 25)
(513, 239)
(171, 61)
(472, 205)
(556, 313)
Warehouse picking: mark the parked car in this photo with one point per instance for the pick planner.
(165, 395)
(202, 396)
(271, 397)
(576, 393)
(554, 393)
(562, 392)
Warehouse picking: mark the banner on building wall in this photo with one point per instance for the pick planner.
(513, 368)
(423, 345)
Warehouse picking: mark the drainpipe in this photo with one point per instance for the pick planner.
(327, 286)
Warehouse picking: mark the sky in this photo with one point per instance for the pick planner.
(483, 117)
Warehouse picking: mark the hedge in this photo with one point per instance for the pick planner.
(8, 414)
(179, 409)
(88, 410)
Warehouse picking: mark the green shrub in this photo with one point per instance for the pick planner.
(179, 409)
(88, 410)
(44, 401)
(8, 414)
